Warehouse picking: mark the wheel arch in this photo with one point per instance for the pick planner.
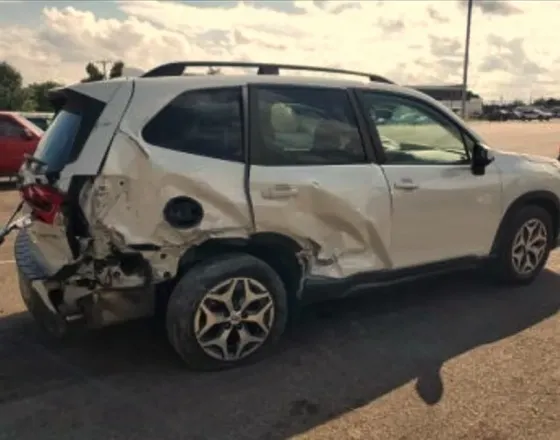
(279, 251)
(545, 199)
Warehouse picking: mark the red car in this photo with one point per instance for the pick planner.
(18, 137)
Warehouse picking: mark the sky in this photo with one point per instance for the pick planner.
(514, 44)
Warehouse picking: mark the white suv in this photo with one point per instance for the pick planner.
(231, 200)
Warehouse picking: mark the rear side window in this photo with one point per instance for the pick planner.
(297, 125)
(65, 138)
(202, 122)
(9, 128)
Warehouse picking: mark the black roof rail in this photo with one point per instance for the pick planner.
(178, 68)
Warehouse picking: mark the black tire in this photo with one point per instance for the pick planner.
(502, 266)
(196, 283)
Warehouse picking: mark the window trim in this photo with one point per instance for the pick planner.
(439, 115)
(254, 132)
(242, 113)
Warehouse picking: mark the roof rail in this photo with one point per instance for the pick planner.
(178, 68)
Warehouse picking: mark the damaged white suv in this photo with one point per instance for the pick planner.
(234, 199)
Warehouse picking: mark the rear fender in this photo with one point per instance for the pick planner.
(125, 205)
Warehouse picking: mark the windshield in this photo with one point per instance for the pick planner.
(56, 144)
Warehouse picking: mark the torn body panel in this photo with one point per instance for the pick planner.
(339, 214)
(126, 202)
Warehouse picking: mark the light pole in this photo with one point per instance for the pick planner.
(466, 60)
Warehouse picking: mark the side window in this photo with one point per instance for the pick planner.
(304, 126)
(412, 132)
(9, 128)
(202, 122)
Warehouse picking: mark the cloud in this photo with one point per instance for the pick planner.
(496, 7)
(410, 42)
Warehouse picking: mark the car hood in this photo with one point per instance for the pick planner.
(507, 155)
(530, 162)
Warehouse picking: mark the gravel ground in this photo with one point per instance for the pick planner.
(451, 358)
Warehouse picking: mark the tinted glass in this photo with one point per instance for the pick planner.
(55, 146)
(41, 123)
(202, 122)
(9, 128)
(304, 126)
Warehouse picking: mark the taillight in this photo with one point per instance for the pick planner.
(44, 201)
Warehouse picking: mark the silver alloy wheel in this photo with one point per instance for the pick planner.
(529, 246)
(234, 319)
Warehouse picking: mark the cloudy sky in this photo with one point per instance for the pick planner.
(514, 52)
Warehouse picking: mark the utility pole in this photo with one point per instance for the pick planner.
(466, 60)
(104, 64)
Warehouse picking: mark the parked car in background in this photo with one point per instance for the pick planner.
(40, 119)
(500, 114)
(532, 114)
(555, 112)
(18, 137)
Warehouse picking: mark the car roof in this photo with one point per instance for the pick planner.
(106, 88)
(202, 81)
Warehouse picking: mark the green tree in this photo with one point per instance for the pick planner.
(38, 93)
(12, 94)
(116, 69)
(93, 73)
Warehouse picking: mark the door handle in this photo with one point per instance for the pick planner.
(406, 185)
(280, 192)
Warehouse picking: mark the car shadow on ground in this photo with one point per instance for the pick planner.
(337, 357)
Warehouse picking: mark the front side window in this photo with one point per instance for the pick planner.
(304, 126)
(202, 122)
(412, 132)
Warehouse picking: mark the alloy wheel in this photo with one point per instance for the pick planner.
(529, 246)
(234, 319)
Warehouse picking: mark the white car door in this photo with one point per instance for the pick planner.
(440, 210)
(311, 179)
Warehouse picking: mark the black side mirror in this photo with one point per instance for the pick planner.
(481, 158)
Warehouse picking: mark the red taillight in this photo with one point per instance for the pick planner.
(44, 201)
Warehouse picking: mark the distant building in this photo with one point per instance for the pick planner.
(450, 96)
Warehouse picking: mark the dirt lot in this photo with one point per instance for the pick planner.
(446, 359)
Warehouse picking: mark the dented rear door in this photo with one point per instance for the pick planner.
(312, 180)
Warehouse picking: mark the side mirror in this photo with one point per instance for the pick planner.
(481, 158)
(27, 134)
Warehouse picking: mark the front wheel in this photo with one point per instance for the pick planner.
(227, 311)
(524, 246)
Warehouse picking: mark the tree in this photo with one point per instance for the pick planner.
(93, 73)
(38, 93)
(12, 94)
(116, 69)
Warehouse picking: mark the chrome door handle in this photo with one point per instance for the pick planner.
(406, 185)
(280, 192)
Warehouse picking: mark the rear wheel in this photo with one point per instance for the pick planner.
(525, 245)
(227, 311)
